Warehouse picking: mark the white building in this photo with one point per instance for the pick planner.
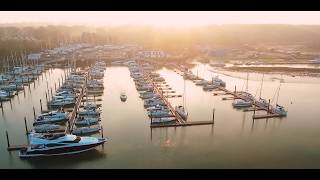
(152, 54)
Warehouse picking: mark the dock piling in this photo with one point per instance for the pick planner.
(25, 125)
(46, 97)
(8, 142)
(101, 131)
(40, 105)
(268, 107)
(34, 113)
(213, 110)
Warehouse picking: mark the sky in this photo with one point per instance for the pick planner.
(161, 18)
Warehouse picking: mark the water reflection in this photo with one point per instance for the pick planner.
(127, 125)
(66, 161)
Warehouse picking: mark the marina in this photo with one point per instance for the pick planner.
(110, 119)
(159, 90)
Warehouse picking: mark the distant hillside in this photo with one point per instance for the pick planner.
(22, 36)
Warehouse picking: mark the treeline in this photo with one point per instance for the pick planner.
(33, 39)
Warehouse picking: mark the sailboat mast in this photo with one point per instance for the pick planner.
(247, 82)
(184, 93)
(261, 86)
(278, 93)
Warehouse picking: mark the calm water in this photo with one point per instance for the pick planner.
(235, 141)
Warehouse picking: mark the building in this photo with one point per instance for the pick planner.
(152, 54)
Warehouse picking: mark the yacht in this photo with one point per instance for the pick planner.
(163, 120)
(238, 103)
(209, 87)
(13, 87)
(4, 94)
(58, 144)
(90, 106)
(62, 101)
(123, 97)
(66, 94)
(85, 130)
(201, 82)
(181, 111)
(44, 128)
(218, 81)
(86, 121)
(159, 114)
(148, 95)
(51, 117)
(280, 110)
(262, 102)
(89, 112)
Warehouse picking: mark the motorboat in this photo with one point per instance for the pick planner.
(58, 144)
(66, 94)
(123, 97)
(3, 78)
(201, 82)
(89, 112)
(86, 121)
(144, 88)
(51, 118)
(163, 120)
(238, 103)
(209, 87)
(156, 107)
(12, 87)
(90, 106)
(66, 102)
(45, 128)
(5, 94)
(160, 113)
(95, 86)
(182, 112)
(86, 130)
(158, 79)
(148, 95)
(95, 90)
(190, 76)
(153, 102)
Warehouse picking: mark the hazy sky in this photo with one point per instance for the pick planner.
(163, 18)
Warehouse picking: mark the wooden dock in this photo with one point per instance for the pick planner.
(179, 120)
(17, 147)
(73, 115)
(256, 106)
(186, 123)
(254, 109)
(172, 96)
(264, 116)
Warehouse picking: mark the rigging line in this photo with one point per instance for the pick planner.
(261, 86)
(278, 93)
(275, 93)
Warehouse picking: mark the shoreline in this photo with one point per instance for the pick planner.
(276, 70)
